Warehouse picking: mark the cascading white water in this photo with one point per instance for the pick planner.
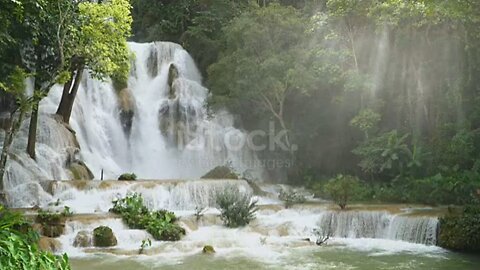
(379, 224)
(55, 146)
(166, 132)
(175, 195)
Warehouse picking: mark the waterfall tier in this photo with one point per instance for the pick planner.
(379, 224)
(175, 195)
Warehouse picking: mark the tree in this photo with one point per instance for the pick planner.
(342, 188)
(262, 63)
(366, 120)
(100, 47)
(46, 51)
(21, 25)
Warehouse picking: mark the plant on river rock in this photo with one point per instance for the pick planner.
(160, 224)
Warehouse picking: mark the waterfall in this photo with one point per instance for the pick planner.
(158, 127)
(379, 224)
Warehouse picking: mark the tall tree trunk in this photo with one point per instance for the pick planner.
(69, 94)
(10, 134)
(32, 130)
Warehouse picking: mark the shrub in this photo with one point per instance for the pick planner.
(127, 177)
(19, 249)
(160, 224)
(342, 188)
(461, 231)
(237, 209)
(291, 197)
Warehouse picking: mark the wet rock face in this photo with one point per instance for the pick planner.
(4, 120)
(49, 244)
(7, 102)
(80, 171)
(126, 109)
(176, 119)
(83, 239)
(172, 76)
(103, 237)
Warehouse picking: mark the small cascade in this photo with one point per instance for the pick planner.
(175, 195)
(379, 224)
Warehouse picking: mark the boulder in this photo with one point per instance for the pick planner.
(83, 239)
(208, 250)
(53, 230)
(103, 237)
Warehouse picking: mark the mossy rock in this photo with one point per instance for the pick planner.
(53, 230)
(127, 177)
(172, 232)
(83, 239)
(208, 250)
(80, 171)
(103, 237)
(220, 172)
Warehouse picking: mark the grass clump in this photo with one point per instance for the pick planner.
(291, 197)
(237, 209)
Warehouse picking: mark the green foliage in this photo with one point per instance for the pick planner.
(291, 197)
(366, 120)
(160, 224)
(342, 188)
(128, 177)
(461, 232)
(19, 250)
(261, 60)
(387, 152)
(102, 38)
(237, 209)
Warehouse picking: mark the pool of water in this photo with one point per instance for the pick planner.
(361, 256)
